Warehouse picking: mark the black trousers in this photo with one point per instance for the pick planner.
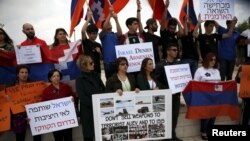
(175, 112)
(21, 137)
(246, 111)
(63, 135)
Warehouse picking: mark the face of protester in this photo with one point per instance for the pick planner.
(149, 67)
(93, 36)
(172, 29)
(55, 78)
(90, 65)
(29, 31)
(133, 27)
(154, 27)
(123, 66)
(212, 62)
(172, 52)
(23, 75)
(209, 28)
(61, 36)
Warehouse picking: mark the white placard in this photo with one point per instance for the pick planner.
(28, 54)
(178, 77)
(133, 117)
(135, 53)
(217, 9)
(51, 115)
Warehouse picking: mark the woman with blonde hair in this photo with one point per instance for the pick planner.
(87, 84)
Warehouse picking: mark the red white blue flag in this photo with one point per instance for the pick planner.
(100, 8)
(158, 8)
(62, 58)
(188, 9)
(206, 100)
(76, 13)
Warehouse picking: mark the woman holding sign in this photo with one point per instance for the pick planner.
(87, 84)
(121, 81)
(208, 72)
(19, 121)
(58, 90)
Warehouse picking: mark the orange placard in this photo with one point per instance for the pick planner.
(24, 94)
(244, 82)
(4, 112)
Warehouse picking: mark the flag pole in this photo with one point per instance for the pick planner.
(90, 10)
(74, 35)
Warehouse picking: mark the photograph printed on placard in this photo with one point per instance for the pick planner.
(158, 99)
(106, 102)
(142, 100)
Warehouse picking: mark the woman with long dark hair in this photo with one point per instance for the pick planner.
(145, 78)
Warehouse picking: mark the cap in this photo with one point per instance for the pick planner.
(149, 22)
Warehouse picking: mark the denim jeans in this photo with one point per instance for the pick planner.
(226, 68)
(193, 64)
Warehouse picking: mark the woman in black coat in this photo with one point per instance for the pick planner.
(145, 79)
(87, 84)
(121, 81)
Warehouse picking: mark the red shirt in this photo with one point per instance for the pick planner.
(43, 46)
(51, 92)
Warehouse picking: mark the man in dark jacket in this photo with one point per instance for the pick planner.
(172, 53)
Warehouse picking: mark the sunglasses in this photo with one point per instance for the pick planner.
(123, 64)
(91, 63)
(175, 50)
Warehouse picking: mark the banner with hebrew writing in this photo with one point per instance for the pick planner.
(142, 116)
(50, 116)
(217, 9)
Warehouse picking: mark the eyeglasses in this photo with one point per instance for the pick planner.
(123, 64)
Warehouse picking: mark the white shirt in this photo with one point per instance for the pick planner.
(210, 75)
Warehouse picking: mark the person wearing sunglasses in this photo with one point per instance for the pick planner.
(87, 84)
(121, 81)
(171, 59)
(209, 72)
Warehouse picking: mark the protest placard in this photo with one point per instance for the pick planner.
(135, 53)
(28, 54)
(4, 112)
(178, 77)
(217, 9)
(143, 116)
(51, 115)
(244, 82)
(23, 94)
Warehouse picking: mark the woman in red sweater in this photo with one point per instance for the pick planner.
(58, 90)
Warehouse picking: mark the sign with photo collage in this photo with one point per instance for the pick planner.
(146, 115)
